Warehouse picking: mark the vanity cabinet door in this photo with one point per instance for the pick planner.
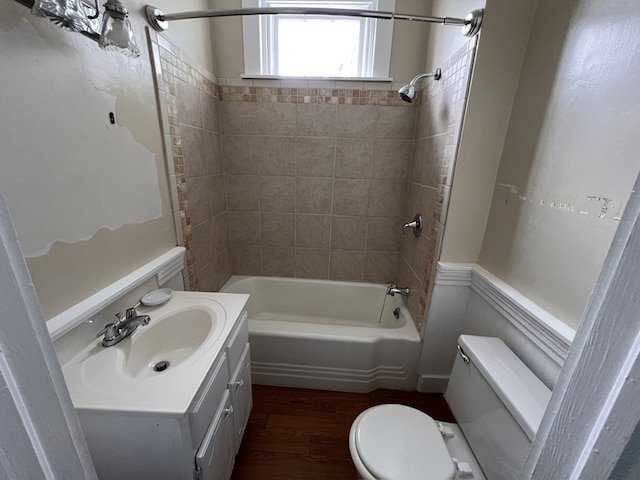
(207, 400)
(216, 455)
(240, 387)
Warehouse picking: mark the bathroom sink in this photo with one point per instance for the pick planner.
(171, 340)
(160, 367)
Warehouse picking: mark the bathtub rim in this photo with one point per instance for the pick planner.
(408, 331)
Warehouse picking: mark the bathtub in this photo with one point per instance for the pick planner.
(328, 335)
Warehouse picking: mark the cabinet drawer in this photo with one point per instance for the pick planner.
(216, 455)
(205, 405)
(239, 339)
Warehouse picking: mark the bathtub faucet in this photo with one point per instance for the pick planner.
(392, 290)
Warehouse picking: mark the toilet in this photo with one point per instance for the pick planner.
(497, 402)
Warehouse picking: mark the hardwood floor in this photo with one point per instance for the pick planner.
(303, 434)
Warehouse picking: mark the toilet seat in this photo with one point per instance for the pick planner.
(400, 443)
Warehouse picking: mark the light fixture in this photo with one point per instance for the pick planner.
(69, 15)
(114, 33)
(117, 34)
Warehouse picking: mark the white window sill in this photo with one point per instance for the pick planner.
(329, 79)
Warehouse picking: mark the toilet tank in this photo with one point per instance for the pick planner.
(498, 403)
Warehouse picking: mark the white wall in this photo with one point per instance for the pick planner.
(192, 36)
(89, 200)
(570, 156)
(500, 52)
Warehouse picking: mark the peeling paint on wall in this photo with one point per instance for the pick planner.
(78, 172)
(580, 204)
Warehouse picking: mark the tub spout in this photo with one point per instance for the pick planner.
(392, 290)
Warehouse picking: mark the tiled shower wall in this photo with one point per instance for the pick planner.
(189, 106)
(438, 125)
(311, 183)
(315, 186)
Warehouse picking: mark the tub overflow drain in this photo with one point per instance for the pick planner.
(161, 366)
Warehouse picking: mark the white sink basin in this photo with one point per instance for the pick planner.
(187, 332)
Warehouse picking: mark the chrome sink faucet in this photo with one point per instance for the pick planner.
(114, 332)
(393, 289)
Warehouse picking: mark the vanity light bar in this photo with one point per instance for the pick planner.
(159, 20)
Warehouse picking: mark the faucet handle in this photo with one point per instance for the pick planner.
(109, 331)
(416, 225)
(131, 313)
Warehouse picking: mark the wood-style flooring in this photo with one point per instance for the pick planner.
(303, 434)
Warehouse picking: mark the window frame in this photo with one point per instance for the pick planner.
(256, 38)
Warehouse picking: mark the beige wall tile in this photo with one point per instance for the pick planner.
(217, 194)
(313, 195)
(346, 265)
(392, 159)
(312, 263)
(195, 164)
(223, 269)
(220, 233)
(315, 157)
(354, 158)
(417, 160)
(277, 155)
(188, 103)
(243, 192)
(387, 198)
(356, 121)
(313, 120)
(380, 267)
(348, 233)
(423, 116)
(244, 228)
(384, 234)
(351, 197)
(213, 153)
(313, 231)
(241, 154)
(434, 155)
(238, 118)
(278, 229)
(247, 260)
(204, 243)
(407, 278)
(277, 194)
(210, 114)
(198, 198)
(276, 119)
(278, 261)
(396, 122)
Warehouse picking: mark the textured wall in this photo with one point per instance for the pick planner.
(60, 132)
(570, 156)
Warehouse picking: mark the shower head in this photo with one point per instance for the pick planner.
(409, 91)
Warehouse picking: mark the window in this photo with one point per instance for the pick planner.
(318, 46)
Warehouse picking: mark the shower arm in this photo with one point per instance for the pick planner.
(437, 75)
(158, 19)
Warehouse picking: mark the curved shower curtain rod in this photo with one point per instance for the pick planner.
(159, 20)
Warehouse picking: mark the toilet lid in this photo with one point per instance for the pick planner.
(402, 443)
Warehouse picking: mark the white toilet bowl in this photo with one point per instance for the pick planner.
(397, 442)
(498, 404)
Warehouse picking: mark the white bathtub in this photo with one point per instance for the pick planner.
(328, 335)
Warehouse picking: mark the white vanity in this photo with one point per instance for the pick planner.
(184, 421)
